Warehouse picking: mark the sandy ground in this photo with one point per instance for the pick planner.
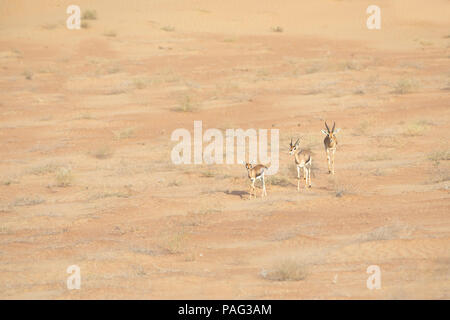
(85, 171)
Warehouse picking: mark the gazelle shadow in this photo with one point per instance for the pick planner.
(239, 193)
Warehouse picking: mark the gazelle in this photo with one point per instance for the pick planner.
(330, 143)
(303, 160)
(256, 173)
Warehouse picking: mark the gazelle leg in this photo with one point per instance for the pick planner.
(309, 172)
(264, 187)
(332, 163)
(309, 177)
(254, 188)
(328, 161)
(298, 178)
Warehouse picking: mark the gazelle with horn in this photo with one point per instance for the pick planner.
(303, 160)
(256, 173)
(330, 143)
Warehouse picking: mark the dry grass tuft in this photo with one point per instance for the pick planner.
(103, 152)
(185, 105)
(279, 181)
(341, 189)
(287, 270)
(89, 15)
(28, 74)
(390, 232)
(379, 157)
(168, 28)
(277, 29)
(174, 243)
(26, 201)
(110, 33)
(441, 155)
(44, 169)
(124, 133)
(404, 86)
(63, 177)
(416, 128)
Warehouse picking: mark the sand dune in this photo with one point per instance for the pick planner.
(86, 176)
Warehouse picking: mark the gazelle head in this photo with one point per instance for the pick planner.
(248, 166)
(293, 147)
(330, 133)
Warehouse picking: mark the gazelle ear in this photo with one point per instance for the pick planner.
(337, 130)
(324, 132)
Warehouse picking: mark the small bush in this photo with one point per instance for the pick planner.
(279, 181)
(89, 15)
(439, 155)
(102, 153)
(168, 28)
(110, 33)
(28, 201)
(124, 133)
(28, 74)
(405, 86)
(63, 177)
(185, 105)
(277, 29)
(416, 128)
(287, 270)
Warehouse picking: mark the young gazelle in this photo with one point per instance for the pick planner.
(256, 173)
(330, 143)
(303, 160)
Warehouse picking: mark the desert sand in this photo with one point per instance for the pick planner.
(86, 176)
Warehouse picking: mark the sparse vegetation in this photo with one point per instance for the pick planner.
(440, 175)
(174, 243)
(404, 86)
(139, 83)
(63, 177)
(84, 25)
(26, 201)
(341, 189)
(28, 74)
(208, 174)
(352, 65)
(103, 152)
(124, 133)
(287, 270)
(168, 28)
(109, 194)
(49, 26)
(89, 15)
(44, 169)
(279, 181)
(362, 129)
(389, 232)
(378, 157)
(416, 128)
(110, 33)
(174, 183)
(441, 155)
(277, 29)
(185, 105)
(313, 69)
